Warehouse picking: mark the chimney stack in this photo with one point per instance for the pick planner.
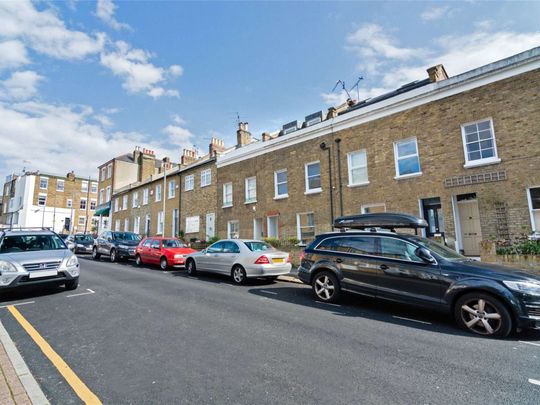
(332, 113)
(188, 157)
(166, 164)
(71, 176)
(146, 162)
(216, 146)
(243, 136)
(437, 73)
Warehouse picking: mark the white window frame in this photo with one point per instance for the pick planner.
(158, 192)
(108, 194)
(62, 182)
(312, 190)
(351, 168)
(535, 227)
(225, 202)
(109, 170)
(278, 196)
(116, 204)
(135, 199)
(94, 187)
(136, 224)
(46, 179)
(479, 162)
(94, 203)
(84, 186)
(83, 199)
(126, 224)
(299, 227)
(160, 223)
(125, 202)
(398, 158)
(206, 177)
(101, 196)
(83, 222)
(145, 196)
(229, 230)
(117, 225)
(189, 182)
(103, 173)
(171, 189)
(250, 199)
(44, 203)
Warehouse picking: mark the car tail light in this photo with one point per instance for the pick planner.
(302, 255)
(262, 260)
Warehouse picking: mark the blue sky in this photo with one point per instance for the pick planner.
(81, 82)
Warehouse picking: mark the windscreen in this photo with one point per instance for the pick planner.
(31, 243)
(83, 238)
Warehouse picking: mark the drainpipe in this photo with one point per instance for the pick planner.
(323, 146)
(340, 183)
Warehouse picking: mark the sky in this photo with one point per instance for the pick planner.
(82, 82)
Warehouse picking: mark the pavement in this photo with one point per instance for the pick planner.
(140, 335)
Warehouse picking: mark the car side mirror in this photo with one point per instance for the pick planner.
(109, 239)
(425, 255)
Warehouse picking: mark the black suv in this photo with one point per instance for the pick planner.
(116, 245)
(486, 299)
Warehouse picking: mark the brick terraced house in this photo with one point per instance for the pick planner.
(463, 152)
(187, 195)
(63, 203)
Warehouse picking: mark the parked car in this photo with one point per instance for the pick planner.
(165, 252)
(116, 245)
(484, 298)
(241, 259)
(36, 257)
(82, 243)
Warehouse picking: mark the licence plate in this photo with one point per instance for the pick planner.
(278, 260)
(44, 273)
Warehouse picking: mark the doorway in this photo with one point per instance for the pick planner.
(432, 213)
(272, 223)
(469, 219)
(258, 228)
(210, 226)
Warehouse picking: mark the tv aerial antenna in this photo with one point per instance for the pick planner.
(341, 83)
(357, 85)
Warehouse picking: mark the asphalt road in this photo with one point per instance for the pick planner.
(147, 336)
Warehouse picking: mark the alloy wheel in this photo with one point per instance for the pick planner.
(238, 275)
(324, 287)
(481, 316)
(163, 264)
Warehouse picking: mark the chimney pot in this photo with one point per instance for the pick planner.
(437, 73)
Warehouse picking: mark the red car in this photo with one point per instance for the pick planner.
(167, 252)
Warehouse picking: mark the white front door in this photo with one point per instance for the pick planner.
(210, 226)
(471, 232)
(272, 223)
(257, 229)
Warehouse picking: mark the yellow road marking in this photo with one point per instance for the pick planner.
(73, 380)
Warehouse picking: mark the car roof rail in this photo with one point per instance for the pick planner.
(384, 220)
(28, 228)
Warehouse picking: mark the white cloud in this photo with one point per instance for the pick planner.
(137, 72)
(63, 138)
(435, 13)
(176, 70)
(13, 54)
(20, 85)
(45, 32)
(179, 136)
(105, 10)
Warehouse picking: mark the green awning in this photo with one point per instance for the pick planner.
(103, 210)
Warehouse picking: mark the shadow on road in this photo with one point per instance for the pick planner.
(30, 292)
(368, 308)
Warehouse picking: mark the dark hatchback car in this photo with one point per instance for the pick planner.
(83, 243)
(116, 245)
(485, 299)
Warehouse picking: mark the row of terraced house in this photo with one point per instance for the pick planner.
(462, 152)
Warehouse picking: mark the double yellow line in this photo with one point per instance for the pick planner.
(73, 380)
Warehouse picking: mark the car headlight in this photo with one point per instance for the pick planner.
(123, 246)
(7, 267)
(527, 287)
(72, 261)
(179, 256)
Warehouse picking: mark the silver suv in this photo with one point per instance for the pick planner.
(36, 257)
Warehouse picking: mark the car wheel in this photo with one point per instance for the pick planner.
(483, 314)
(95, 254)
(326, 286)
(72, 284)
(138, 260)
(113, 255)
(238, 275)
(163, 263)
(191, 268)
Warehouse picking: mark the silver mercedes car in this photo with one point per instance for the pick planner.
(36, 257)
(241, 259)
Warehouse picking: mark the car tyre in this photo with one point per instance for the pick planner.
(326, 287)
(238, 275)
(72, 284)
(95, 254)
(163, 263)
(138, 260)
(483, 314)
(191, 268)
(113, 256)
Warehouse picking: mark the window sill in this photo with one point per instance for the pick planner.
(281, 197)
(408, 176)
(227, 206)
(250, 202)
(365, 183)
(482, 162)
(206, 185)
(314, 191)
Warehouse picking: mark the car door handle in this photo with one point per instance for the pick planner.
(384, 267)
(339, 261)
